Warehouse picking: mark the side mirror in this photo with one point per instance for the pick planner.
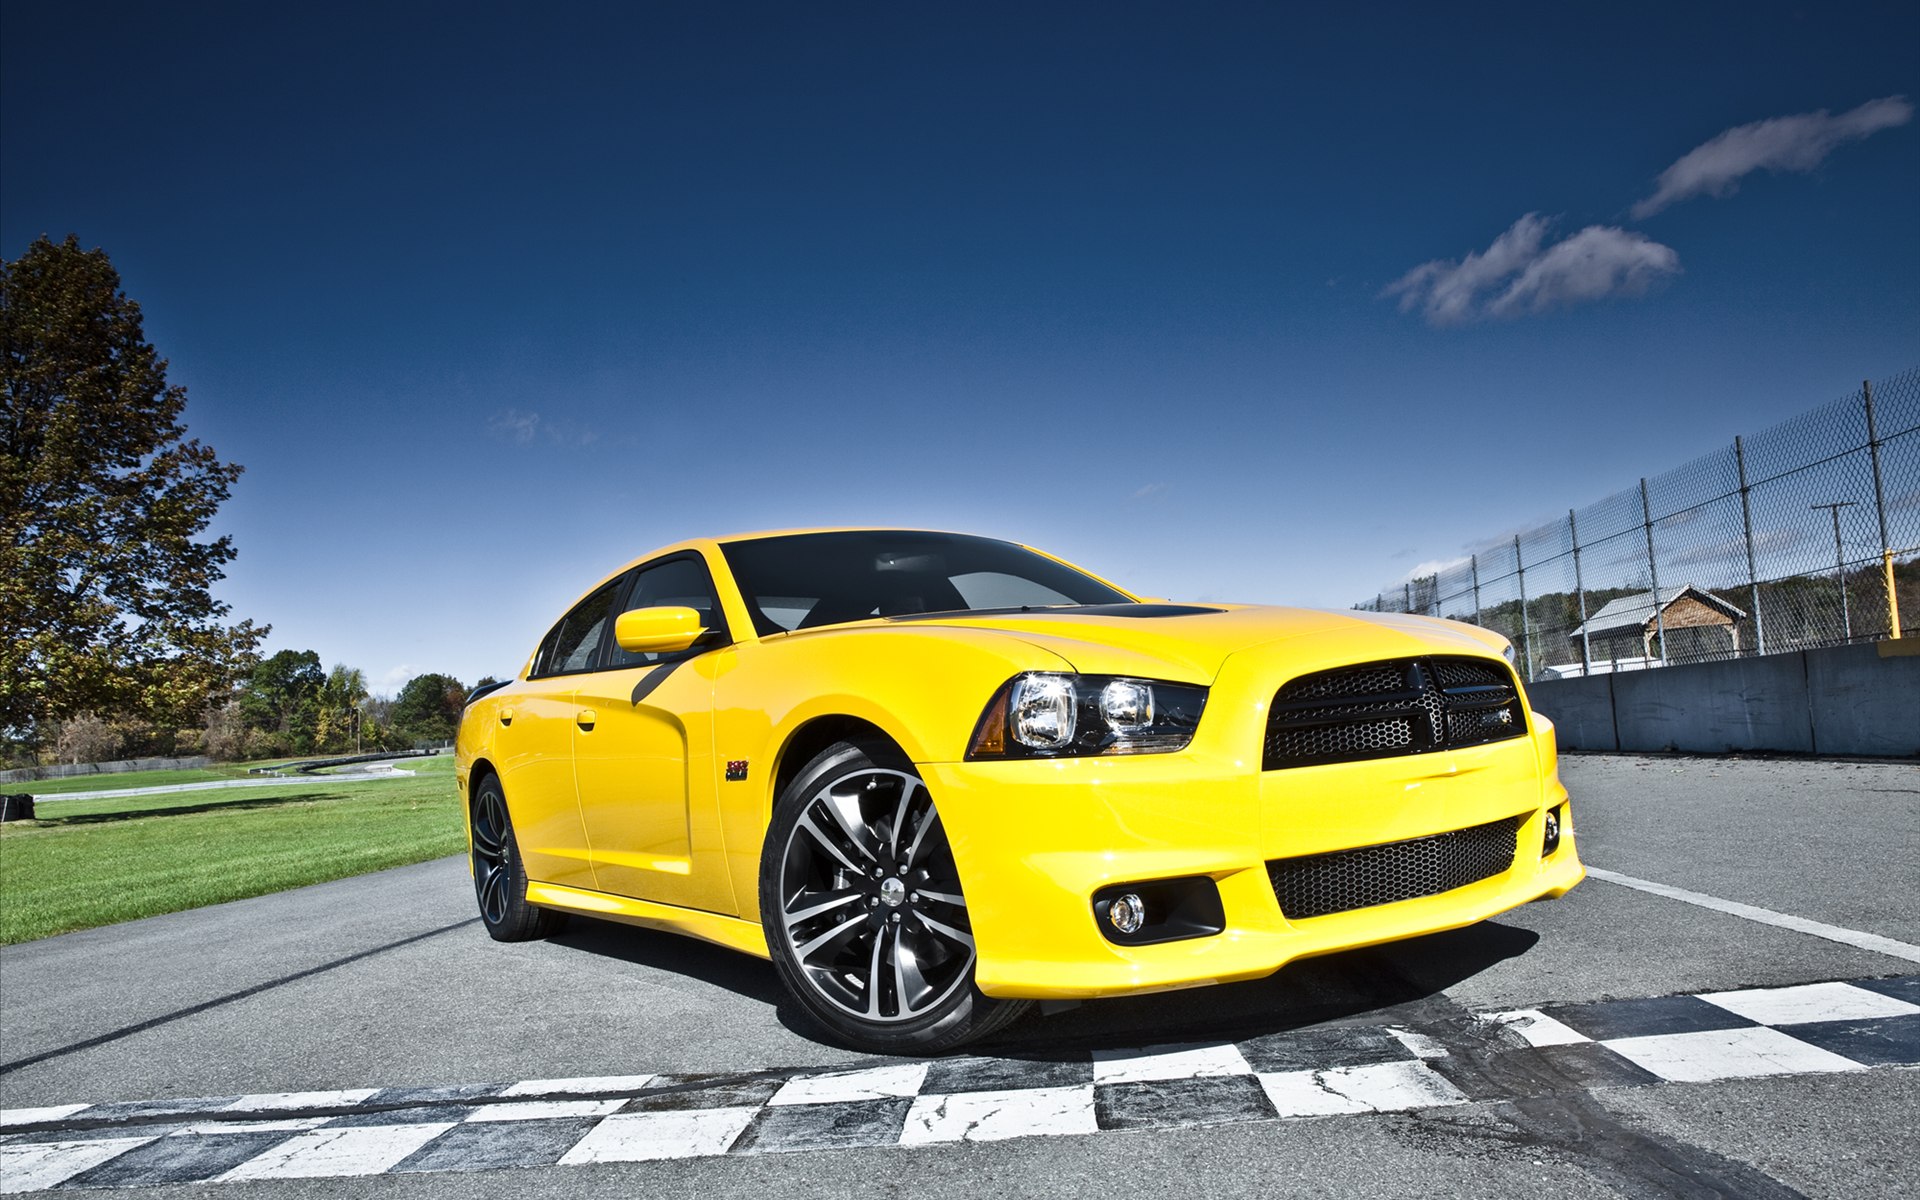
(662, 630)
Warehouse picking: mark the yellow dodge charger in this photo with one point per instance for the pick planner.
(931, 776)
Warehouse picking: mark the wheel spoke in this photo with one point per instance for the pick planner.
(818, 903)
(927, 821)
(493, 894)
(947, 931)
(909, 983)
(826, 843)
(957, 901)
(853, 825)
(853, 922)
(874, 967)
(907, 788)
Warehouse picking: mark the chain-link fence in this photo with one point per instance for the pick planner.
(1805, 535)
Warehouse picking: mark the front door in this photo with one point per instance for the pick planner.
(643, 755)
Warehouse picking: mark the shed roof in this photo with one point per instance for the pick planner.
(1636, 611)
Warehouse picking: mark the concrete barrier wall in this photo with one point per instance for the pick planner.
(1843, 700)
(121, 766)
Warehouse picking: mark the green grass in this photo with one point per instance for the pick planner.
(97, 862)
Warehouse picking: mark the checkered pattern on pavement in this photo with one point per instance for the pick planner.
(1321, 1071)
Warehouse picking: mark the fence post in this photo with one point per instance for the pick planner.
(1406, 596)
(1746, 518)
(1474, 561)
(1526, 628)
(1653, 570)
(1580, 591)
(1880, 507)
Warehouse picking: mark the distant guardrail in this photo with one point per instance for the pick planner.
(116, 767)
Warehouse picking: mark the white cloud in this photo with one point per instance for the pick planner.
(1797, 143)
(1435, 566)
(1148, 491)
(521, 428)
(514, 426)
(393, 679)
(1520, 274)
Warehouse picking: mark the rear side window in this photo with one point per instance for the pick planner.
(574, 643)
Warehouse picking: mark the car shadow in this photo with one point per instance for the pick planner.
(1352, 987)
(186, 810)
(1364, 986)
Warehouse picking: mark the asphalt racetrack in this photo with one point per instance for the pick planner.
(365, 1038)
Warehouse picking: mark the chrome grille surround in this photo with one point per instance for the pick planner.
(1391, 708)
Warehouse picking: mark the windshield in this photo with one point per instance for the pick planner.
(805, 580)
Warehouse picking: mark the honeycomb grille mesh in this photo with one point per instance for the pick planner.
(1387, 709)
(1319, 885)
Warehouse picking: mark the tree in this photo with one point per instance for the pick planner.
(337, 715)
(104, 577)
(281, 697)
(428, 707)
(85, 738)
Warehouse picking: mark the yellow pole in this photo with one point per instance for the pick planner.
(1893, 601)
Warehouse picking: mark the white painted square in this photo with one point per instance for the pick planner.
(30, 1166)
(540, 1110)
(641, 1137)
(1810, 1002)
(1417, 1043)
(575, 1087)
(291, 1101)
(32, 1116)
(995, 1116)
(1538, 1029)
(324, 1153)
(879, 1083)
(1726, 1054)
(1380, 1087)
(1168, 1062)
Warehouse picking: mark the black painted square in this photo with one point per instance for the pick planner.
(1876, 1042)
(678, 1093)
(420, 1114)
(1900, 987)
(1172, 1103)
(389, 1097)
(950, 1076)
(144, 1108)
(1643, 1018)
(487, 1145)
(1323, 1049)
(844, 1126)
(182, 1159)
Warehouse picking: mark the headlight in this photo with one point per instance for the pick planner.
(1044, 714)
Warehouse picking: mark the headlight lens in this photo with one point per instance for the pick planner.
(1045, 714)
(1508, 651)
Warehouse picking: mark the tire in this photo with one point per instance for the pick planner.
(863, 910)
(499, 877)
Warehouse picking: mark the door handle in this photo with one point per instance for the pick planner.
(506, 716)
(584, 718)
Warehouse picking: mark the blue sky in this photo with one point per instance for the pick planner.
(490, 299)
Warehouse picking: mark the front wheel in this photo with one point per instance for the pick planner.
(863, 908)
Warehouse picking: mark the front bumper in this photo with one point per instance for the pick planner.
(1035, 839)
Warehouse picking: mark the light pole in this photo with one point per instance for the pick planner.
(1839, 564)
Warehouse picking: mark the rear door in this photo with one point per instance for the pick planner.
(535, 743)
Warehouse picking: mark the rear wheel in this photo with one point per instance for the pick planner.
(499, 877)
(864, 913)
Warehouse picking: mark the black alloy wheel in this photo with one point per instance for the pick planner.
(863, 907)
(499, 877)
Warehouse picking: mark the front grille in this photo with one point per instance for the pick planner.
(1319, 884)
(1386, 709)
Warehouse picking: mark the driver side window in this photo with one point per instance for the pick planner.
(678, 582)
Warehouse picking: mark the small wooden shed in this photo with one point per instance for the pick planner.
(1698, 624)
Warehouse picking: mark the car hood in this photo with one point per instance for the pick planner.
(1191, 642)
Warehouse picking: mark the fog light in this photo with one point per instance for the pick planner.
(1128, 913)
(1552, 841)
